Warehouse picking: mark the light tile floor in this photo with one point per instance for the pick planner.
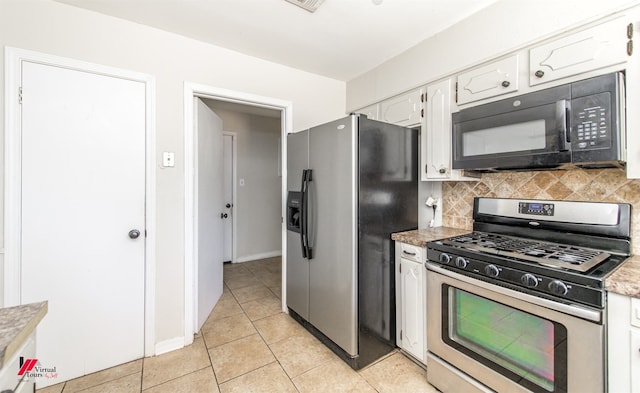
(248, 345)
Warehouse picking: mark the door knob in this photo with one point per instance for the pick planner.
(228, 205)
(134, 233)
(224, 215)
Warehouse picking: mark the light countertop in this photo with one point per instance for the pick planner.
(16, 324)
(420, 237)
(626, 279)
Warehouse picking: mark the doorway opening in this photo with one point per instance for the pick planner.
(258, 126)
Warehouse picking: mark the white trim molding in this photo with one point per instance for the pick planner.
(234, 192)
(261, 255)
(12, 171)
(169, 345)
(192, 90)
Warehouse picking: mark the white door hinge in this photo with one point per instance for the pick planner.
(19, 95)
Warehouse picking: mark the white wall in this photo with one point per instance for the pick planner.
(495, 30)
(62, 30)
(258, 208)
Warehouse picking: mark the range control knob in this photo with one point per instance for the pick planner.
(491, 270)
(529, 280)
(461, 262)
(445, 258)
(558, 287)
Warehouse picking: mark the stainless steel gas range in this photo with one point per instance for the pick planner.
(518, 304)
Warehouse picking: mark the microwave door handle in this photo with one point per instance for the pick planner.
(562, 117)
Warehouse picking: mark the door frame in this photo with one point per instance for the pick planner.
(234, 191)
(196, 90)
(13, 174)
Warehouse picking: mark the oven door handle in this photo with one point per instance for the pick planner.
(576, 311)
(562, 117)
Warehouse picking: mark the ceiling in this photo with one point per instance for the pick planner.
(341, 40)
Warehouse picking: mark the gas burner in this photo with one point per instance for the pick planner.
(510, 246)
(544, 253)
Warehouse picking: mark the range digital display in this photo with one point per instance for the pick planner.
(537, 209)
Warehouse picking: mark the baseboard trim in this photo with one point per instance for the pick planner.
(263, 255)
(169, 345)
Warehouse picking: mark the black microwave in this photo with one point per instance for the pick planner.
(576, 124)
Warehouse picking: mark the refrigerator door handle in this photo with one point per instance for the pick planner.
(303, 216)
(306, 178)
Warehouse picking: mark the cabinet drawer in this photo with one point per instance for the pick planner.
(413, 253)
(499, 77)
(635, 312)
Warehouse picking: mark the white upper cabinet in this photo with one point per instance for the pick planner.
(436, 136)
(404, 110)
(598, 47)
(435, 141)
(370, 111)
(494, 79)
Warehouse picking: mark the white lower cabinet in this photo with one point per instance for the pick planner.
(10, 381)
(410, 300)
(623, 342)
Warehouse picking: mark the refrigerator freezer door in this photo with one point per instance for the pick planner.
(388, 202)
(297, 266)
(332, 232)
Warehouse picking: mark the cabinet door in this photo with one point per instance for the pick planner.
(370, 111)
(598, 47)
(412, 308)
(404, 110)
(436, 137)
(635, 360)
(500, 77)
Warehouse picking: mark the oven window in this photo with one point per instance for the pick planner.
(526, 136)
(525, 348)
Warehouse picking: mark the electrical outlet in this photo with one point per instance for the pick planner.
(241, 182)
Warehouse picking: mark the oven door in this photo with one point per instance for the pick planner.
(509, 341)
(530, 131)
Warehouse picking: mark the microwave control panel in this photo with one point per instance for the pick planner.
(591, 122)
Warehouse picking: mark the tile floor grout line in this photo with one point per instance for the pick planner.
(265, 343)
(173, 379)
(204, 340)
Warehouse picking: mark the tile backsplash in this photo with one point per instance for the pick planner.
(593, 185)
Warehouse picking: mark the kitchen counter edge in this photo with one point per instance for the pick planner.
(420, 237)
(16, 324)
(625, 280)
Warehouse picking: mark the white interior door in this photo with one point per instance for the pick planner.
(83, 191)
(209, 208)
(228, 198)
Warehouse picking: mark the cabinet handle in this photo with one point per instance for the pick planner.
(442, 170)
(506, 83)
(408, 253)
(539, 73)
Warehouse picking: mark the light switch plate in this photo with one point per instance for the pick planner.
(168, 159)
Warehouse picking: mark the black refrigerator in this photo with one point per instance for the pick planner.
(351, 183)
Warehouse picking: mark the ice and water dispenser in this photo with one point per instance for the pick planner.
(294, 211)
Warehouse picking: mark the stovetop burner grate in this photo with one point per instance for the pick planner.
(545, 253)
